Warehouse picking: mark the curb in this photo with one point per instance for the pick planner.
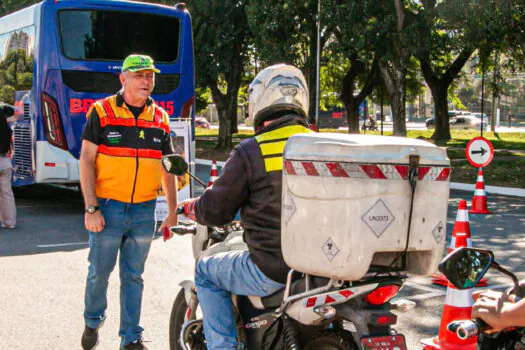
(507, 191)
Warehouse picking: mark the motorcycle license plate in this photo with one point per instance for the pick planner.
(388, 342)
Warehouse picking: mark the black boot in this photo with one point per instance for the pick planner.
(136, 345)
(89, 338)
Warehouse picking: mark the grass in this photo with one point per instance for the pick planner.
(507, 169)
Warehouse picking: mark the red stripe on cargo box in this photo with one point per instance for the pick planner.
(402, 170)
(310, 169)
(373, 171)
(336, 170)
(289, 168)
(422, 171)
(445, 173)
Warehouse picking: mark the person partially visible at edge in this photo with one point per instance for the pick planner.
(251, 181)
(498, 310)
(7, 199)
(120, 173)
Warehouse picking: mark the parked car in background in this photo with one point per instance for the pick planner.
(201, 122)
(467, 121)
(430, 123)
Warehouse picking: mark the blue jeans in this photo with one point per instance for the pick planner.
(130, 229)
(218, 276)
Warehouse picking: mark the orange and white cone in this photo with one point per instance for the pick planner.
(458, 306)
(460, 226)
(479, 202)
(214, 173)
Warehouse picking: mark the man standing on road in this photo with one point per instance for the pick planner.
(120, 173)
(7, 199)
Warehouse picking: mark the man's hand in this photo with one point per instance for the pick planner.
(94, 222)
(170, 220)
(187, 206)
(492, 307)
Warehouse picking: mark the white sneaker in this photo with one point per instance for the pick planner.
(8, 226)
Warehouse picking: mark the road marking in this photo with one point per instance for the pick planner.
(61, 245)
(44, 206)
(425, 288)
(426, 295)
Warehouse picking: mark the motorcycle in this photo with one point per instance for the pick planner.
(369, 124)
(464, 268)
(311, 312)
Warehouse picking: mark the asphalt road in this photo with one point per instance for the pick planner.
(43, 264)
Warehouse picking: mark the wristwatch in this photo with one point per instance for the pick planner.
(91, 209)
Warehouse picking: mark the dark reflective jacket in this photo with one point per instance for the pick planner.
(252, 181)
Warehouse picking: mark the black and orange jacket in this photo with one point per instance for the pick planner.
(128, 165)
(251, 180)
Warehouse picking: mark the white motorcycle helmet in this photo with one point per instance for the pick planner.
(277, 88)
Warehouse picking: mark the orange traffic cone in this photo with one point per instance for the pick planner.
(479, 202)
(458, 306)
(460, 226)
(214, 173)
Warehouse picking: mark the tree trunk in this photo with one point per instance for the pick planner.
(439, 87)
(440, 94)
(352, 102)
(225, 125)
(352, 117)
(394, 77)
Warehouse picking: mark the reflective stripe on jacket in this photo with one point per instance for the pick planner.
(128, 166)
(251, 180)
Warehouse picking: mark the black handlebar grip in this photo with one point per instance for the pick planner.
(184, 230)
(483, 326)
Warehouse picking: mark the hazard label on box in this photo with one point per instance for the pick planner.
(378, 218)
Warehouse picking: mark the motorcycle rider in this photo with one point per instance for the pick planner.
(251, 181)
(498, 310)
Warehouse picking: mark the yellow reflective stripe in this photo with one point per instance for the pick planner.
(273, 164)
(272, 148)
(282, 133)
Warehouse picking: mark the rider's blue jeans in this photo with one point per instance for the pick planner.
(218, 276)
(129, 229)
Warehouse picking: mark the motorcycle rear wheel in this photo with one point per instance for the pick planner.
(331, 340)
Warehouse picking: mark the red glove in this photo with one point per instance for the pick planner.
(189, 209)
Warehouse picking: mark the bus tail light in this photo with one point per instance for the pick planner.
(52, 122)
(187, 108)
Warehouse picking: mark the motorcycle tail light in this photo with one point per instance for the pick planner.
(383, 320)
(382, 295)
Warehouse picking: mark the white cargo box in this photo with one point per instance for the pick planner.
(346, 204)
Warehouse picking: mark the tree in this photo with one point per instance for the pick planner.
(15, 74)
(8, 6)
(221, 36)
(285, 31)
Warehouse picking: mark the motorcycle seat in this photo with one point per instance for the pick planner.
(274, 300)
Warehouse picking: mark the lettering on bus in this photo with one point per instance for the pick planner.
(167, 106)
(78, 105)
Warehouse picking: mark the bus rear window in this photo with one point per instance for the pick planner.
(112, 35)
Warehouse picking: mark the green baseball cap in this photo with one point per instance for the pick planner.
(135, 62)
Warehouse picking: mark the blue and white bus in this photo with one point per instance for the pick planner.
(78, 47)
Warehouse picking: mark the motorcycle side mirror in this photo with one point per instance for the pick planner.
(174, 164)
(465, 267)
